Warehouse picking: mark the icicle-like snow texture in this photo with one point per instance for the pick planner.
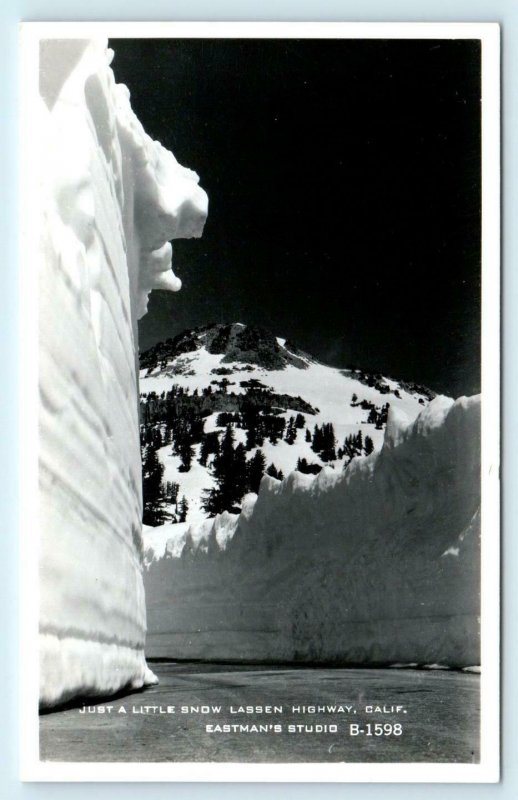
(377, 564)
(111, 200)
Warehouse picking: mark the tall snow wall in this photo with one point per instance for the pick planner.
(378, 564)
(111, 199)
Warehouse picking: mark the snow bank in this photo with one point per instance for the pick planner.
(111, 200)
(377, 564)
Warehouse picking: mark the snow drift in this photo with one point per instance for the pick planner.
(111, 199)
(376, 564)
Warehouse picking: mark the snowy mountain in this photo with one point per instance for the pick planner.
(229, 402)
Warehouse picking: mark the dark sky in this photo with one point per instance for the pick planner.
(344, 195)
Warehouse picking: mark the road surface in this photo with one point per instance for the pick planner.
(199, 712)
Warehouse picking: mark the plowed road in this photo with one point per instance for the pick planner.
(198, 713)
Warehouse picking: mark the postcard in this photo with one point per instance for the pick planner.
(260, 288)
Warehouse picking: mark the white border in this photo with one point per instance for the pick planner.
(32, 769)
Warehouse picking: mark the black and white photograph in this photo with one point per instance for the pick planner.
(266, 527)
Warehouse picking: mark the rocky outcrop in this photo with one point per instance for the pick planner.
(237, 343)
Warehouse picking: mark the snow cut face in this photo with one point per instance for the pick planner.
(378, 564)
(111, 200)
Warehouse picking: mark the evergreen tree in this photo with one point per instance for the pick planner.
(251, 423)
(308, 435)
(318, 440)
(229, 471)
(276, 428)
(359, 443)
(369, 445)
(171, 492)
(209, 446)
(328, 452)
(291, 432)
(186, 454)
(272, 471)
(183, 509)
(223, 464)
(204, 452)
(349, 449)
(372, 419)
(299, 421)
(240, 472)
(256, 468)
(152, 492)
(157, 438)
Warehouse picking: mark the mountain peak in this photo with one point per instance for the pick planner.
(236, 342)
(251, 344)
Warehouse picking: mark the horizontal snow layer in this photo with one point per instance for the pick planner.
(97, 667)
(111, 200)
(377, 564)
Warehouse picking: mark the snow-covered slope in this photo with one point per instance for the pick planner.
(111, 198)
(375, 564)
(227, 360)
